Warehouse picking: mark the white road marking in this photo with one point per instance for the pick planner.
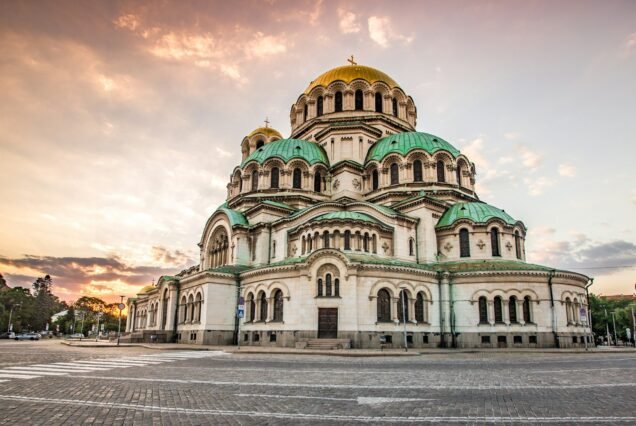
(107, 364)
(361, 400)
(17, 376)
(18, 370)
(333, 417)
(258, 395)
(65, 367)
(583, 369)
(78, 366)
(44, 369)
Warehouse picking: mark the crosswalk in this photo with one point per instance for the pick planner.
(97, 365)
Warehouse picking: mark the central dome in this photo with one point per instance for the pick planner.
(349, 73)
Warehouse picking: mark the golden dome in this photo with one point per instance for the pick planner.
(348, 73)
(147, 289)
(267, 131)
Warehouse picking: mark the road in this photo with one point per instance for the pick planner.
(49, 383)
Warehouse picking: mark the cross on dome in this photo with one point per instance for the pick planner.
(352, 61)
(266, 122)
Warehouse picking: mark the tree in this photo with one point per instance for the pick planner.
(602, 320)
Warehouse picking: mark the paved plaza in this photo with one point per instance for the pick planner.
(49, 383)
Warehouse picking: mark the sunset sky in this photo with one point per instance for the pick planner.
(120, 122)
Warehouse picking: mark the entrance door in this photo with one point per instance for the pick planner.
(327, 323)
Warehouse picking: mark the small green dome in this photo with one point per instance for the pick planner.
(476, 212)
(403, 143)
(287, 149)
(346, 215)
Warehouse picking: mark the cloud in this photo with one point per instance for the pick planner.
(128, 21)
(512, 136)
(567, 170)
(381, 31)
(634, 196)
(348, 22)
(537, 185)
(169, 257)
(529, 158)
(265, 45)
(630, 43)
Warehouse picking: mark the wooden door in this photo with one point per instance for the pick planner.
(327, 323)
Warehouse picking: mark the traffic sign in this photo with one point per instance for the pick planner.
(241, 301)
(121, 306)
(583, 314)
(240, 312)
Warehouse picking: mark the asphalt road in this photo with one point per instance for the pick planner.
(48, 383)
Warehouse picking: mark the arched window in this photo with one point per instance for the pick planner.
(184, 309)
(394, 105)
(384, 306)
(378, 102)
(395, 174)
(317, 182)
(191, 308)
(259, 144)
(403, 306)
(197, 303)
(164, 309)
(263, 312)
(375, 179)
(359, 100)
(526, 309)
(347, 240)
(274, 178)
(419, 308)
(319, 106)
(251, 306)
(338, 102)
(458, 175)
(310, 243)
(483, 310)
(325, 239)
(441, 176)
(278, 305)
(305, 113)
(319, 286)
(517, 245)
(374, 245)
(303, 245)
(297, 181)
(464, 243)
(512, 309)
(255, 180)
(568, 310)
(417, 171)
(494, 241)
(336, 287)
(411, 247)
(240, 183)
(498, 310)
(365, 242)
(328, 285)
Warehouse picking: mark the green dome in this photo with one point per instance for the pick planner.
(235, 217)
(287, 149)
(346, 215)
(403, 143)
(475, 212)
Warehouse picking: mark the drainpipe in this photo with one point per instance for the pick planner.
(589, 311)
(451, 307)
(554, 330)
(269, 244)
(176, 312)
(237, 337)
(417, 244)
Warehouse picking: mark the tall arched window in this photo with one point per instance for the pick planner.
(338, 102)
(483, 310)
(191, 308)
(411, 247)
(305, 113)
(464, 243)
(328, 285)
(255, 180)
(384, 306)
(359, 100)
(526, 310)
(419, 308)
(325, 239)
(303, 245)
(494, 241)
(375, 179)
(336, 287)
(365, 242)
(374, 244)
(512, 309)
(395, 174)
(197, 303)
(259, 144)
(403, 306)
(517, 245)
(319, 106)
(184, 309)
(274, 178)
(319, 286)
(347, 240)
(310, 243)
(317, 182)
(441, 175)
(263, 312)
(417, 171)
(251, 306)
(498, 310)
(278, 305)
(458, 175)
(378, 102)
(297, 181)
(164, 309)
(394, 105)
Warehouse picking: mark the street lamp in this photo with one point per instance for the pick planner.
(10, 326)
(614, 321)
(120, 306)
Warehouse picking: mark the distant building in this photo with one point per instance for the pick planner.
(618, 297)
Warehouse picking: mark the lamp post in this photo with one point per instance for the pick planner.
(99, 314)
(120, 306)
(614, 321)
(10, 326)
(609, 342)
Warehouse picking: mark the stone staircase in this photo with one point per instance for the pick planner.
(328, 344)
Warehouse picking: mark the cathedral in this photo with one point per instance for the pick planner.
(359, 231)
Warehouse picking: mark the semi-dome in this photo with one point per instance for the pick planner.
(349, 73)
(287, 149)
(147, 289)
(267, 131)
(476, 212)
(346, 215)
(403, 143)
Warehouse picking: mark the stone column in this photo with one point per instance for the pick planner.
(520, 312)
(445, 303)
(491, 312)
(394, 309)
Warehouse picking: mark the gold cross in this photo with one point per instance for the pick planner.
(266, 122)
(351, 61)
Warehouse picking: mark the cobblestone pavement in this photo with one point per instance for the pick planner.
(48, 383)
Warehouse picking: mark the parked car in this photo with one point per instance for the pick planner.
(28, 336)
(77, 336)
(7, 335)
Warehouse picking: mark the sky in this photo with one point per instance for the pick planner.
(121, 121)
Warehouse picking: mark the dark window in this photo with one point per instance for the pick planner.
(246, 336)
(365, 242)
(574, 339)
(336, 287)
(395, 174)
(338, 102)
(483, 310)
(378, 102)
(441, 176)
(319, 106)
(319, 286)
(347, 240)
(263, 307)
(458, 175)
(297, 178)
(417, 171)
(240, 183)
(395, 107)
(374, 177)
(256, 337)
(512, 309)
(259, 144)
(310, 243)
(419, 308)
(317, 182)
(328, 285)
(359, 100)
(518, 244)
(409, 339)
(498, 310)
(411, 247)
(501, 340)
(325, 239)
(388, 338)
(403, 306)
(274, 178)
(305, 113)
(272, 337)
(517, 340)
(526, 309)
(532, 339)
(425, 338)
(254, 180)
(494, 241)
(485, 340)
(278, 305)
(464, 243)
(384, 306)
(252, 307)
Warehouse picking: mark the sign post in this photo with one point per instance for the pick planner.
(240, 314)
(583, 318)
(121, 307)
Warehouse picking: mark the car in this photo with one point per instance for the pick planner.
(7, 335)
(28, 336)
(77, 336)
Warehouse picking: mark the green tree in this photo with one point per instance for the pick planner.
(602, 319)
